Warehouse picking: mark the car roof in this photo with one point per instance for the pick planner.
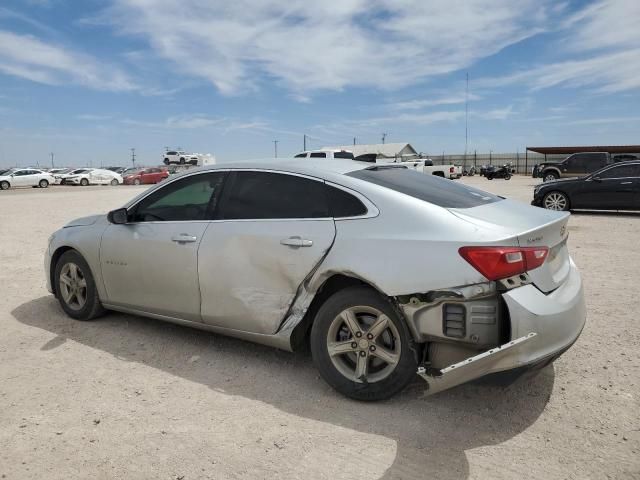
(302, 166)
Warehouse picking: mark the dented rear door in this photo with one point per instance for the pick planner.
(250, 269)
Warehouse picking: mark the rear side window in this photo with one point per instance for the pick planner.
(318, 155)
(348, 155)
(300, 155)
(343, 204)
(266, 195)
(429, 188)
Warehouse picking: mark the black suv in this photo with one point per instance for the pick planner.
(577, 165)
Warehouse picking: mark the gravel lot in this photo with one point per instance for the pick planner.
(127, 397)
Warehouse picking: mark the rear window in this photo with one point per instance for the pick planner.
(429, 188)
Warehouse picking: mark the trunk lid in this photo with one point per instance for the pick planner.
(527, 226)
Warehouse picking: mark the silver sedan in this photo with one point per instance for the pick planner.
(384, 271)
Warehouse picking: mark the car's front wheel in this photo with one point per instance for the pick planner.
(556, 201)
(550, 176)
(43, 183)
(76, 288)
(166, 161)
(136, 181)
(361, 346)
(114, 182)
(84, 182)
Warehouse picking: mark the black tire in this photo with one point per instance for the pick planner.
(43, 183)
(84, 182)
(114, 182)
(4, 185)
(137, 181)
(507, 176)
(556, 200)
(92, 307)
(399, 376)
(166, 161)
(489, 177)
(63, 182)
(549, 176)
(181, 160)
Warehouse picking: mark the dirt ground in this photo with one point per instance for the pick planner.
(128, 397)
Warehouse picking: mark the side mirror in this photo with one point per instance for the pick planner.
(118, 216)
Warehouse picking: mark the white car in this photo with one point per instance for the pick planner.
(179, 157)
(92, 176)
(25, 177)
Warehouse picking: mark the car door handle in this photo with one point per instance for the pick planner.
(296, 242)
(184, 238)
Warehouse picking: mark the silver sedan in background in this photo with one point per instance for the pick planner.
(384, 271)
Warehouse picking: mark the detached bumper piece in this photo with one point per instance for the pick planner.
(471, 368)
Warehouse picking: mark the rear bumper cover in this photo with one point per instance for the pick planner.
(542, 328)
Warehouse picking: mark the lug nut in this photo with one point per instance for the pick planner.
(354, 345)
(362, 354)
(372, 348)
(358, 334)
(369, 336)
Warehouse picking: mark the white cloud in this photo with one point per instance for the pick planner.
(29, 57)
(602, 46)
(186, 121)
(333, 44)
(432, 102)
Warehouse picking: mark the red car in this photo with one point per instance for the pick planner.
(146, 175)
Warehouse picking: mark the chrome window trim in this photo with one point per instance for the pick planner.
(372, 210)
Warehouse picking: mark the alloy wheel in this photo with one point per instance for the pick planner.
(555, 201)
(363, 344)
(73, 286)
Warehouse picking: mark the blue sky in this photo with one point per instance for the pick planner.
(90, 79)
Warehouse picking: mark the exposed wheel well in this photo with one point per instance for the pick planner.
(438, 174)
(335, 283)
(52, 268)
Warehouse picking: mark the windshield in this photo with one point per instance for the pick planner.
(435, 190)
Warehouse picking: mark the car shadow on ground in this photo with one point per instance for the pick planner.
(431, 433)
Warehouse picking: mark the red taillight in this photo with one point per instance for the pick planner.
(496, 263)
(452, 169)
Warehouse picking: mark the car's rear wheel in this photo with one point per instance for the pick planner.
(556, 201)
(43, 183)
(4, 185)
(76, 288)
(136, 181)
(166, 161)
(182, 161)
(550, 176)
(84, 182)
(114, 182)
(361, 346)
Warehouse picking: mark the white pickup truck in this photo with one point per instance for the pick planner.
(423, 165)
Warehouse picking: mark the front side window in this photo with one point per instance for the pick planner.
(190, 198)
(438, 191)
(348, 155)
(172, 153)
(621, 171)
(20, 173)
(318, 155)
(267, 195)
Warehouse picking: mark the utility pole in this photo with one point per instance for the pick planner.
(466, 120)
(304, 143)
(275, 148)
(384, 136)
(133, 156)
(52, 165)
(354, 140)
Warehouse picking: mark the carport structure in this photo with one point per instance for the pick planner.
(613, 149)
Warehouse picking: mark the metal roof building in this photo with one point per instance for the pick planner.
(381, 150)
